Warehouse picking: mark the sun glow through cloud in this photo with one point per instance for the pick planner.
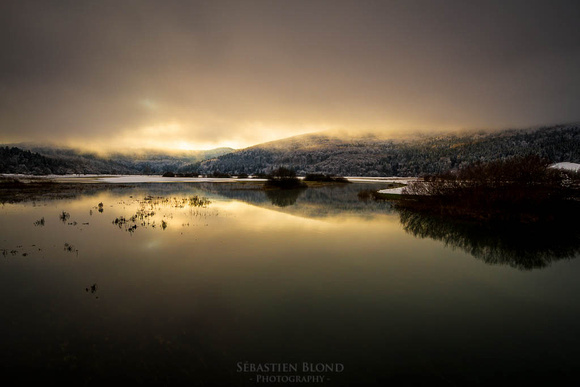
(189, 75)
(175, 136)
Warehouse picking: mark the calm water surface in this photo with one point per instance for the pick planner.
(207, 293)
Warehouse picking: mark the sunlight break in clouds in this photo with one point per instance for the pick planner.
(175, 136)
(162, 136)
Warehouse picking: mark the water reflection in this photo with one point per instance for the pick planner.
(315, 203)
(522, 246)
(283, 197)
(239, 280)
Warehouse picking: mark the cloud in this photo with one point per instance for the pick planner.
(239, 73)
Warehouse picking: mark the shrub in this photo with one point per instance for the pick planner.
(515, 188)
(284, 178)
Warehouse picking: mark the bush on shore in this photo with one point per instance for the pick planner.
(519, 188)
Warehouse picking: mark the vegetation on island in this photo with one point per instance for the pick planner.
(284, 178)
(517, 212)
(522, 189)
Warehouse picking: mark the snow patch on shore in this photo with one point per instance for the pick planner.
(396, 191)
(566, 166)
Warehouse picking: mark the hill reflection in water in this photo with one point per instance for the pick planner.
(325, 277)
(522, 246)
(320, 202)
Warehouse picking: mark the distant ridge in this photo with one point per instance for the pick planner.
(44, 160)
(420, 154)
(328, 153)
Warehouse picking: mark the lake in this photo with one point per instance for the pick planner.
(226, 284)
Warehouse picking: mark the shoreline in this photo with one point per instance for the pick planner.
(138, 179)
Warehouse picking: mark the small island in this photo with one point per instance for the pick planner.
(518, 189)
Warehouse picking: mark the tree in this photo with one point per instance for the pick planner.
(518, 188)
(284, 178)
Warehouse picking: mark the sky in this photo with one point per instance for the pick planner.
(177, 74)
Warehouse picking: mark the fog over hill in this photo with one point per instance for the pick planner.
(43, 160)
(340, 153)
(371, 155)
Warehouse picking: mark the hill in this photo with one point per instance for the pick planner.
(327, 153)
(16, 160)
(370, 155)
(43, 160)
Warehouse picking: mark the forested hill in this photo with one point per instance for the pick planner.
(16, 160)
(313, 153)
(371, 156)
(39, 160)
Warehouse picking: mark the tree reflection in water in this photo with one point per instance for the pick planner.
(522, 246)
(284, 197)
